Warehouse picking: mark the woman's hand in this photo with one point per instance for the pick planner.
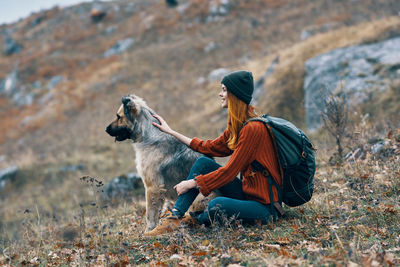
(185, 186)
(163, 126)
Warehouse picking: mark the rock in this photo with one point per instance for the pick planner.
(219, 8)
(217, 74)
(122, 186)
(9, 85)
(21, 95)
(54, 81)
(316, 29)
(210, 47)
(201, 80)
(376, 148)
(130, 7)
(147, 22)
(81, 10)
(361, 69)
(119, 47)
(182, 8)
(7, 174)
(111, 29)
(304, 34)
(10, 45)
(171, 3)
(243, 59)
(259, 85)
(22, 98)
(36, 21)
(73, 168)
(36, 85)
(46, 98)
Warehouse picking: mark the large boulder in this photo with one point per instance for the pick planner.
(122, 186)
(358, 71)
(7, 174)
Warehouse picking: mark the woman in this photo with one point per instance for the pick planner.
(247, 198)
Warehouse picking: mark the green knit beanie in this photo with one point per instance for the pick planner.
(240, 83)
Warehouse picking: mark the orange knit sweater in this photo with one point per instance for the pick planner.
(254, 143)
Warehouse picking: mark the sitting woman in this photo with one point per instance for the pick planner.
(247, 198)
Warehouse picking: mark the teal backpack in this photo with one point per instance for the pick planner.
(297, 162)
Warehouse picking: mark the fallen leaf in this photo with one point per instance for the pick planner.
(157, 245)
(390, 209)
(272, 247)
(205, 242)
(352, 264)
(200, 253)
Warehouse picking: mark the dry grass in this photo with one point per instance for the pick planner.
(41, 220)
(352, 219)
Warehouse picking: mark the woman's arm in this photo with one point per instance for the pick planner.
(211, 148)
(163, 126)
(250, 138)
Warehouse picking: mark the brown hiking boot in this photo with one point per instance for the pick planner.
(169, 224)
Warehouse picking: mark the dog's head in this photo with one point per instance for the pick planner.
(125, 126)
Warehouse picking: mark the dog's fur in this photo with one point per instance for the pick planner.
(161, 160)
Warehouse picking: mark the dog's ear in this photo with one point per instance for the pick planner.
(125, 100)
(129, 105)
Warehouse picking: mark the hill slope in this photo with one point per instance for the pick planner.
(63, 87)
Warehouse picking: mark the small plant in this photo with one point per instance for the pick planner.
(335, 117)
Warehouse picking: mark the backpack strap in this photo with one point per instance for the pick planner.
(257, 167)
(260, 168)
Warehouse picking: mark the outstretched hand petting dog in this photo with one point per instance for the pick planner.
(163, 126)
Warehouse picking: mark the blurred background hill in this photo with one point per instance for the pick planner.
(63, 72)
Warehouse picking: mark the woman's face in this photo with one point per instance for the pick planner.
(224, 96)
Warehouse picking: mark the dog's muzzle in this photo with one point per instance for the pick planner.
(120, 134)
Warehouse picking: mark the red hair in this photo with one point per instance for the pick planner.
(238, 113)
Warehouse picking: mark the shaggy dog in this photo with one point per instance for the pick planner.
(161, 160)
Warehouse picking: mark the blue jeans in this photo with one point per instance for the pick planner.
(233, 201)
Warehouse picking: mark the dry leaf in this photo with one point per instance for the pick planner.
(157, 245)
(200, 253)
(273, 247)
(390, 209)
(352, 264)
(205, 242)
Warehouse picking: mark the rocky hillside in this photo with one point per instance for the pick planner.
(63, 71)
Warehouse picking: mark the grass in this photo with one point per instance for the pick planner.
(50, 217)
(353, 218)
